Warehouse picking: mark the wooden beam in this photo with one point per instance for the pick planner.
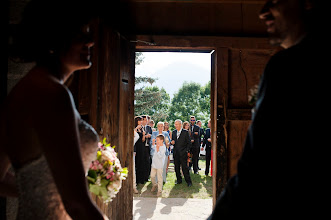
(159, 43)
(203, 1)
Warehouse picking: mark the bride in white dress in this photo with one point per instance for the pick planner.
(36, 184)
(39, 123)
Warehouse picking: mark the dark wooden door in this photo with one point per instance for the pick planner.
(104, 96)
(219, 91)
(116, 110)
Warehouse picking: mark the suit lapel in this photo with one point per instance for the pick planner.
(180, 133)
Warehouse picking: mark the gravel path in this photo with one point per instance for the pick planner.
(171, 208)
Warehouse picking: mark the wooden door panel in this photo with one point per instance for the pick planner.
(246, 66)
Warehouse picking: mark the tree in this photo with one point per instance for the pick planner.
(191, 99)
(160, 110)
(205, 102)
(144, 99)
(139, 58)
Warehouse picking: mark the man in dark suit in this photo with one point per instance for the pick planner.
(195, 130)
(282, 169)
(207, 145)
(201, 133)
(148, 134)
(182, 143)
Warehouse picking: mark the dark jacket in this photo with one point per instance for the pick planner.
(183, 144)
(285, 161)
(194, 136)
(201, 133)
(205, 139)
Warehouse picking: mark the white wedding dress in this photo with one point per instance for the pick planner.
(38, 195)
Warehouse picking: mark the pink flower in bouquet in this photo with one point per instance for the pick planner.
(100, 145)
(106, 173)
(93, 165)
(109, 175)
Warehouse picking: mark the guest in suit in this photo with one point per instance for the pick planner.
(186, 126)
(207, 145)
(195, 144)
(151, 123)
(148, 134)
(182, 143)
(201, 133)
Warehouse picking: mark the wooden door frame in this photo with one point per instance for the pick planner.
(183, 44)
(220, 112)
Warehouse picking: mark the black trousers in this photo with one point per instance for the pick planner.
(180, 160)
(208, 158)
(148, 163)
(195, 157)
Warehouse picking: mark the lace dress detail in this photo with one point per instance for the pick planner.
(39, 198)
(38, 194)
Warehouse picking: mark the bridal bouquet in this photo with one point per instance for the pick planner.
(105, 174)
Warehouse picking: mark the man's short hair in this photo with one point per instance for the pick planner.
(180, 121)
(160, 136)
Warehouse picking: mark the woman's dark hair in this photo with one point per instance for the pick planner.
(48, 26)
(136, 119)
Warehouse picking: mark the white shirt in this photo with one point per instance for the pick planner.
(159, 157)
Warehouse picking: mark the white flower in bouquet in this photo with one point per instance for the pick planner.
(115, 186)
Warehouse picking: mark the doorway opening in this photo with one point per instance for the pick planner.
(169, 86)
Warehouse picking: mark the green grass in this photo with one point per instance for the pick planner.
(201, 185)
